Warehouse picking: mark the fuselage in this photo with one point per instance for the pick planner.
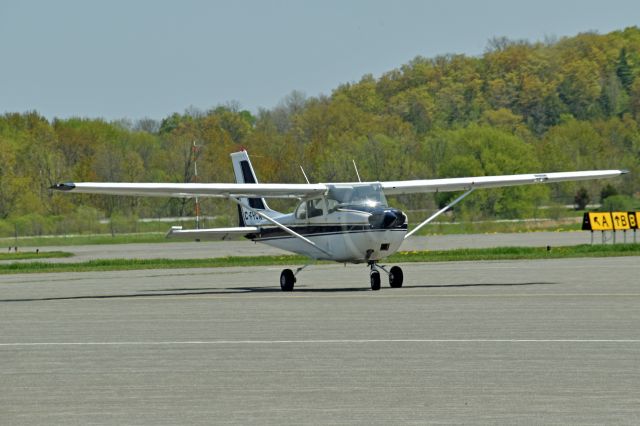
(350, 223)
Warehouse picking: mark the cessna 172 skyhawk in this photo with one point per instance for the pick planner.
(343, 222)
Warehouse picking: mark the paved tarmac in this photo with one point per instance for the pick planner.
(511, 342)
(194, 250)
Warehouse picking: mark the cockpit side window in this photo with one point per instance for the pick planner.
(301, 211)
(332, 205)
(310, 208)
(315, 207)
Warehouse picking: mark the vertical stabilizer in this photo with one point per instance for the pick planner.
(244, 174)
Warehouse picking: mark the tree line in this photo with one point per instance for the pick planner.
(569, 104)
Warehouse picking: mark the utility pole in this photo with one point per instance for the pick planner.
(195, 150)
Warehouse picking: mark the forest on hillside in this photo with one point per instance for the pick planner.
(521, 107)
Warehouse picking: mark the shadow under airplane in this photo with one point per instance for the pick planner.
(244, 290)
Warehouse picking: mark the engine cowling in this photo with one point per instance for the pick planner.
(387, 218)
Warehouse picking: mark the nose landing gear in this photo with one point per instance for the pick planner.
(374, 277)
(395, 276)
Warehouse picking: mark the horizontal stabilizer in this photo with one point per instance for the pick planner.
(209, 234)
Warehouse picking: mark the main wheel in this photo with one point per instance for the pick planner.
(395, 277)
(375, 280)
(287, 280)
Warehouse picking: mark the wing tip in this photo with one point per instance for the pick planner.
(66, 186)
(624, 171)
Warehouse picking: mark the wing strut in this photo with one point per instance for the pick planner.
(439, 212)
(279, 225)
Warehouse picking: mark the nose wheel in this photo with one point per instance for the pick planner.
(374, 277)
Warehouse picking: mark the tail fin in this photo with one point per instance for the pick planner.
(244, 174)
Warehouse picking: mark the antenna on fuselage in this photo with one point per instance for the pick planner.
(305, 175)
(356, 167)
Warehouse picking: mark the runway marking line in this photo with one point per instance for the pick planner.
(318, 341)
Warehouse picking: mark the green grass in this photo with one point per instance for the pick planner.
(493, 227)
(500, 253)
(512, 253)
(78, 240)
(33, 255)
(131, 264)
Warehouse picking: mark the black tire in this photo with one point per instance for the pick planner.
(395, 277)
(375, 280)
(287, 280)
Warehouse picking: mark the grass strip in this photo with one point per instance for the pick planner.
(34, 255)
(95, 239)
(131, 264)
(499, 253)
(513, 253)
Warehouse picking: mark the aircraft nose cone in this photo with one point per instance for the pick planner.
(386, 218)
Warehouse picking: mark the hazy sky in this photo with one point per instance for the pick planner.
(134, 59)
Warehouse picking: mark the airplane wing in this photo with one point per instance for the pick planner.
(189, 190)
(285, 190)
(466, 183)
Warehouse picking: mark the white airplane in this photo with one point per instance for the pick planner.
(343, 222)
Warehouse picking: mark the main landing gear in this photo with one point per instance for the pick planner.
(287, 280)
(288, 277)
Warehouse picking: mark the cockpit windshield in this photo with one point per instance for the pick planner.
(355, 196)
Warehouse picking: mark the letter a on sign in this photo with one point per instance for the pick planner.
(597, 222)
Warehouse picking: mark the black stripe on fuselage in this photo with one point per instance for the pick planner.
(317, 230)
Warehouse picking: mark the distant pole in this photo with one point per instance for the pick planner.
(196, 150)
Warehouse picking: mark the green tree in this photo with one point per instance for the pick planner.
(581, 198)
(623, 70)
(580, 88)
(480, 150)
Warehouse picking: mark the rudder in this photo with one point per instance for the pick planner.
(244, 174)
